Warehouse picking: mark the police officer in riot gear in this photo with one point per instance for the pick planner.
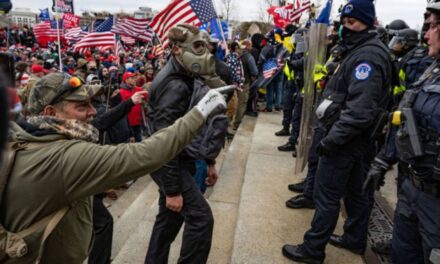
(409, 70)
(395, 26)
(403, 41)
(348, 110)
(296, 64)
(416, 234)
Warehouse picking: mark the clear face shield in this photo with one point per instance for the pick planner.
(397, 43)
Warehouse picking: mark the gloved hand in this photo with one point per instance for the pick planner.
(213, 102)
(322, 149)
(376, 175)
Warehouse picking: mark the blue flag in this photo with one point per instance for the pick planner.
(44, 14)
(324, 16)
(213, 27)
(216, 31)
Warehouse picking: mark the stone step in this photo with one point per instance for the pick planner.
(135, 247)
(264, 223)
(223, 199)
(130, 209)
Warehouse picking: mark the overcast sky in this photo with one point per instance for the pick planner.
(387, 10)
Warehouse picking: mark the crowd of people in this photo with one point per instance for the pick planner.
(376, 106)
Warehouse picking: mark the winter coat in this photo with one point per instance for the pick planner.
(61, 173)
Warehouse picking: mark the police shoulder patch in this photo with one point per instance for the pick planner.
(362, 71)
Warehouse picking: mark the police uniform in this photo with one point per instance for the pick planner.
(411, 68)
(417, 221)
(357, 90)
(290, 88)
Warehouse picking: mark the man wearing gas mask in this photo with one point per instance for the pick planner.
(180, 198)
(350, 105)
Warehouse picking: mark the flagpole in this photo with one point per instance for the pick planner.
(115, 39)
(8, 32)
(60, 61)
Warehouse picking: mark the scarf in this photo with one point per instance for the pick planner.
(70, 128)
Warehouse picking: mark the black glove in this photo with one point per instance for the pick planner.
(376, 175)
(322, 149)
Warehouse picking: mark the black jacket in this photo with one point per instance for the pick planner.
(222, 70)
(169, 100)
(361, 88)
(114, 123)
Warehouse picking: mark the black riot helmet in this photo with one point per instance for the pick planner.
(395, 26)
(383, 35)
(404, 41)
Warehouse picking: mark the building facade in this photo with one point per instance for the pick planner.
(23, 16)
(143, 12)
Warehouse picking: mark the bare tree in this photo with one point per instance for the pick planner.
(227, 9)
(264, 5)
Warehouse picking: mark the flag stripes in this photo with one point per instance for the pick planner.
(179, 11)
(134, 28)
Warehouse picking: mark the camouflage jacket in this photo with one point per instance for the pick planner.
(64, 173)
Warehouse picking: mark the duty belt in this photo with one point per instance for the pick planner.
(424, 182)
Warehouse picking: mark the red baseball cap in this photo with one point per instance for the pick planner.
(36, 68)
(127, 75)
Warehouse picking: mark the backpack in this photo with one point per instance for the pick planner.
(12, 245)
(210, 140)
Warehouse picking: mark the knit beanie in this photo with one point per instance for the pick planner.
(362, 10)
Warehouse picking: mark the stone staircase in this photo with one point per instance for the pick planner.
(251, 220)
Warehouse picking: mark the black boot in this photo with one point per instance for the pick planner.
(300, 201)
(287, 147)
(283, 132)
(296, 253)
(338, 241)
(297, 187)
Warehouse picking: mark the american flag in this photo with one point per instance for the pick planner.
(119, 49)
(195, 12)
(299, 8)
(157, 51)
(74, 34)
(102, 38)
(270, 67)
(135, 28)
(47, 29)
(128, 40)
